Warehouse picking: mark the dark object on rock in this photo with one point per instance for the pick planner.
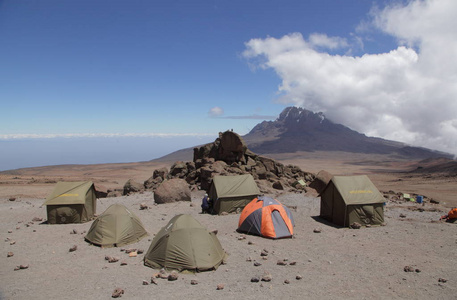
(172, 190)
(442, 280)
(355, 225)
(118, 292)
(317, 230)
(408, 269)
(194, 282)
(10, 254)
(72, 249)
(255, 279)
(220, 286)
(267, 277)
(173, 276)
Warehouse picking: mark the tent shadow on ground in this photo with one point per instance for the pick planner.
(325, 222)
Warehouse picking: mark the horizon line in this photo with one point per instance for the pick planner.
(20, 136)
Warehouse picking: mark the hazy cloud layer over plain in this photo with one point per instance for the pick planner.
(408, 94)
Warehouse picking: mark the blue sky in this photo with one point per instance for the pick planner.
(77, 69)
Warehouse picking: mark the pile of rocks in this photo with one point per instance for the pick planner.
(228, 155)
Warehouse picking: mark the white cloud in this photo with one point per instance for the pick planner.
(215, 112)
(98, 135)
(408, 94)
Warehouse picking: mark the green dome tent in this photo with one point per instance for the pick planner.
(184, 244)
(116, 226)
(71, 202)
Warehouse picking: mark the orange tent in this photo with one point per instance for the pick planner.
(266, 217)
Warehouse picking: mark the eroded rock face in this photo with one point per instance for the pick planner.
(132, 186)
(320, 181)
(172, 190)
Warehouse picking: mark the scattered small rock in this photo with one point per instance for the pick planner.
(139, 251)
(123, 263)
(173, 276)
(267, 277)
(281, 263)
(224, 213)
(408, 269)
(250, 243)
(417, 270)
(249, 259)
(145, 282)
(256, 264)
(286, 281)
(255, 279)
(402, 216)
(317, 230)
(129, 250)
(241, 237)
(292, 263)
(215, 231)
(36, 219)
(143, 206)
(220, 286)
(12, 242)
(133, 254)
(10, 231)
(355, 225)
(194, 282)
(12, 199)
(21, 267)
(74, 231)
(111, 259)
(117, 293)
(442, 280)
(298, 277)
(9, 254)
(153, 280)
(264, 252)
(72, 249)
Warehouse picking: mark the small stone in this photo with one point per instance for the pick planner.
(16, 268)
(123, 263)
(241, 237)
(267, 277)
(194, 282)
(9, 254)
(255, 279)
(250, 243)
(72, 249)
(256, 264)
(74, 231)
(173, 276)
(249, 259)
(215, 231)
(355, 225)
(12, 199)
(281, 263)
(402, 216)
(10, 231)
(298, 277)
(408, 269)
(442, 280)
(112, 259)
(145, 282)
(317, 230)
(368, 225)
(220, 286)
(12, 242)
(143, 206)
(133, 254)
(36, 219)
(117, 293)
(286, 281)
(224, 213)
(292, 263)
(153, 280)
(264, 253)
(139, 251)
(417, 270)
(23, 267)
(130, 250)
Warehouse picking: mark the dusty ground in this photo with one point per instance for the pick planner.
(337, 262)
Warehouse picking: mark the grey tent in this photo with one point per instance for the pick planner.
(349, 199)
(71, 202)
(232, 193)
(116, 226)
(184, 244)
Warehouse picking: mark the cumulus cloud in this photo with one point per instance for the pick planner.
(407, 94)
(216, 111)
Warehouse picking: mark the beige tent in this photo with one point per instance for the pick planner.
(232, 193)
(349, 199)
(116, 226)
(184, 244)
(71, 202)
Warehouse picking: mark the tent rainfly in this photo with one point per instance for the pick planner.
(349, 199)
(184, 244)
(116, 226)
(71, 202)
(232, 193)
(266, 217)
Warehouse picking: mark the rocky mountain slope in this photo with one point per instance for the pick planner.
(298, 129)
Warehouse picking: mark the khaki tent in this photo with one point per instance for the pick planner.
(116, 226)
(349, 199)
(71, 202)
(184, 244)
(232, 193)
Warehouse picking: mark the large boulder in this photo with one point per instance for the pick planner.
(172, 190)
(320, 181)
(132, 186)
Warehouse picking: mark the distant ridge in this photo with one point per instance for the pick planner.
(298, 129)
